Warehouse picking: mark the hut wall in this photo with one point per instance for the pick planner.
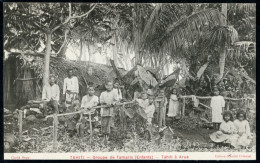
(19, 85)
(9, 77)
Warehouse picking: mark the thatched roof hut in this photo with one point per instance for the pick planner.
(23, 75)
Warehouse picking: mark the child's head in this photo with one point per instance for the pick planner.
(227, 116)
(241, 115)
(52, 80)
(70, 72)
(116, 84)
(161, 92)
(144, 95)
(151, 99)
(109, 85)
(216, 91)
(91, 90)
(174, 91)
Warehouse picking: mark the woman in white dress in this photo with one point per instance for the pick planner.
(173, 104)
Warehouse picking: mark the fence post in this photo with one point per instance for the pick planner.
(183, 107)
(90, 126)
(160, 114)
(55, 131)
(20, 123)
(228, 105)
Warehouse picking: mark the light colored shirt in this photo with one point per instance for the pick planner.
(108, 98)
(143, 103)
(71, 84)
(149, 110)
(89, 101)
(49, 92)
(242, 127)
(227, 127)
(118, 92)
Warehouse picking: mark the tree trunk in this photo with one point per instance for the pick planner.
(81, 50)
(47, 60)
(222, 56)
(89, 53)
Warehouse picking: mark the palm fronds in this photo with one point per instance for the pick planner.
(189, 28)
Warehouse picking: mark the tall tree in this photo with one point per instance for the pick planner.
(44, 19)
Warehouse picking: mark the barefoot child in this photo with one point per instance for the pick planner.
(217, 104)
(109, 97)
(173, 104)
(226, 131)
(161, 102)
(149, 111)
(88, 101)
(243, 136)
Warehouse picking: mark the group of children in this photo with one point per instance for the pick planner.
(236, 133)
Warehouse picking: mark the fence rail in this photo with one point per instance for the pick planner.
(87, 111)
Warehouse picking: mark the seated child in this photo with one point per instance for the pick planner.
(108, 97)
(226, 131)
(88, 101)
(243, 135)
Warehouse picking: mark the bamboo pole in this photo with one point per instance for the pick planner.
(20, 123)
(55, 131)
(90, 126)
(86, 110)
(209, 97)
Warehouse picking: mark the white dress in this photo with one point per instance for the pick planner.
(244, 128)
(217, 103)
(173, 106)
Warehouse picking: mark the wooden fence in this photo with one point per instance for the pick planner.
(86, 111)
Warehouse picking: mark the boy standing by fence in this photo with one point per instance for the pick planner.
(88, 101)
(149, 111)
(160, 103)
(108, 97)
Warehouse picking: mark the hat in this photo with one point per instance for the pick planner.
(218, 136)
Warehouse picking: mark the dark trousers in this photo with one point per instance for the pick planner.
(50, 104)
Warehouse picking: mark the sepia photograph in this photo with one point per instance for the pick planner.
(129, 81)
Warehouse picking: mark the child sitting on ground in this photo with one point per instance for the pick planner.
(226, 131)
(88, 101)
(217, 104)
(243, 135)
(108, 97)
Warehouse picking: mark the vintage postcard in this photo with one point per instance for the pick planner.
(129, 81)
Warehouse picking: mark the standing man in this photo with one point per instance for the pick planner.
(51, 96)
(70, 88)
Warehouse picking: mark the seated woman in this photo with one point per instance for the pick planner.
(226, 131)
(243, 135)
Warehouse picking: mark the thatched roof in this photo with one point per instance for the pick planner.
(59, 67)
